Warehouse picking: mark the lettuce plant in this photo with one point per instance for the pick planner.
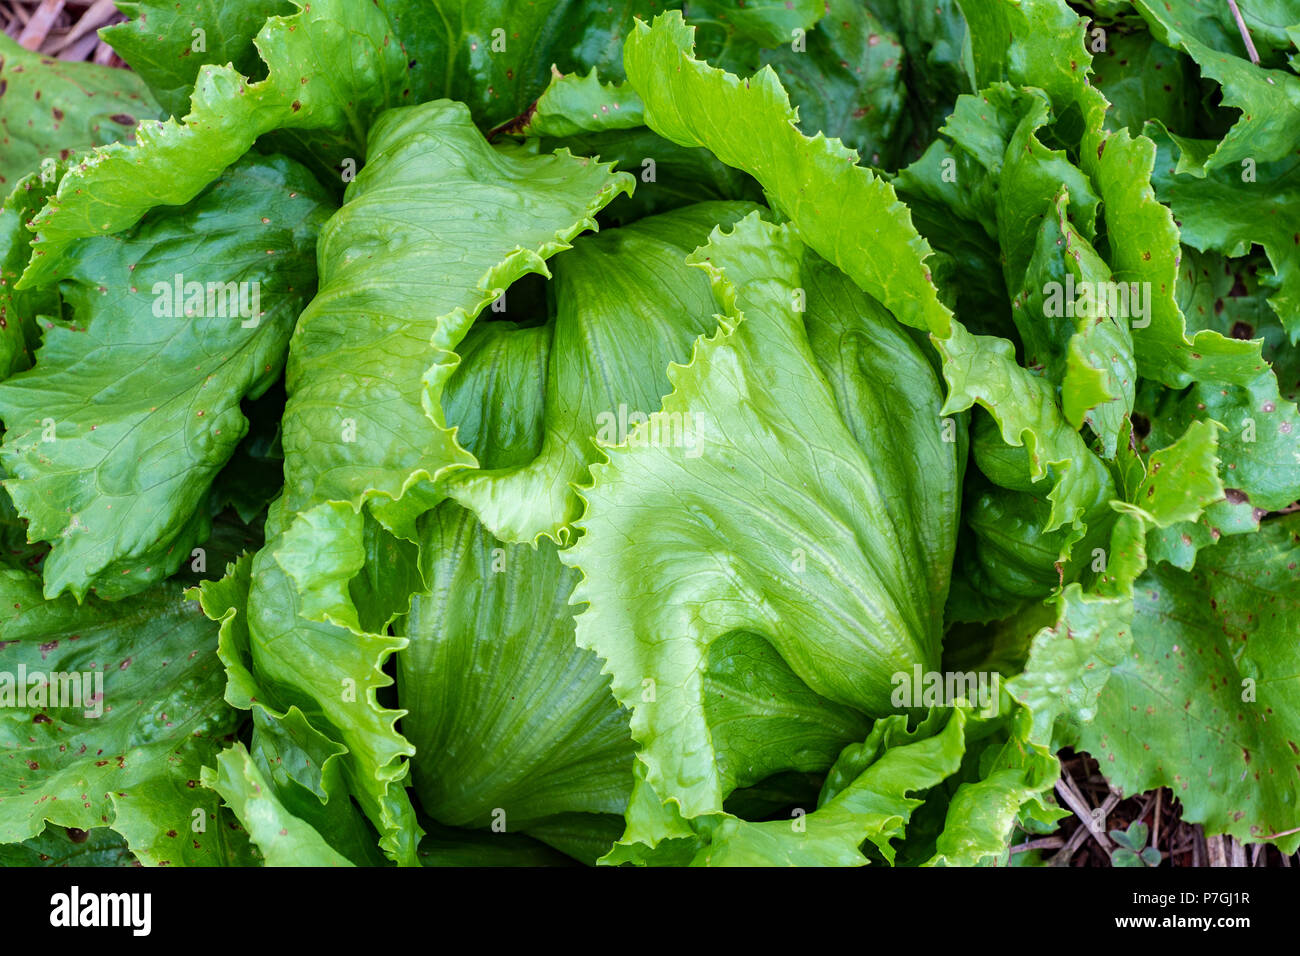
(728, 434)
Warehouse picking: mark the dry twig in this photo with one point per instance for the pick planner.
(1245, 34)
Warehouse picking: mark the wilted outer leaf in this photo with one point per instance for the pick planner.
(52, 108)
(115, 435)
(1269, 99)
(136, 767)
(1206, 703)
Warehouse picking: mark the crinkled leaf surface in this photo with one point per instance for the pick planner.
(627, 305)
(166, 43)
(329, 67)
(283, 839)
(308, 773)
(135, 766)
(573, 104)
(817, 183)
(115, 435)
(403, 275)
(750, 556)
(332, 674)
(874, 806)
(1040, 43)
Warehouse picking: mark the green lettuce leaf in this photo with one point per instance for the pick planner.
(321, 75)
(1269, 99)
(1069, 663)
(116, 434)
(949, 791)
(627, 305)
(50, 109)
(1143, 80)
(698, 105)
(749, 124)
(308, 772)
(668, 176)
(829, 525)
(1205, 701)
(57, 846)
(363, 419)
(283, 839)
(847, 80)
(448, 846)
(126, 747)
(1230, 209)
(280, 662)
(769, 22)
(511, 721)
(359, 428)
(166, 44)
(574, 104)
(19, 329)
(1040, 43)
(873, 805)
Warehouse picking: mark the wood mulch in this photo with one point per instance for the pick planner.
(1084, 838)
(67, 29)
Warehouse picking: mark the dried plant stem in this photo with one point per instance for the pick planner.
(1245, 34)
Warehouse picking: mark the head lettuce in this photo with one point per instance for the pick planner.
(633, 407)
